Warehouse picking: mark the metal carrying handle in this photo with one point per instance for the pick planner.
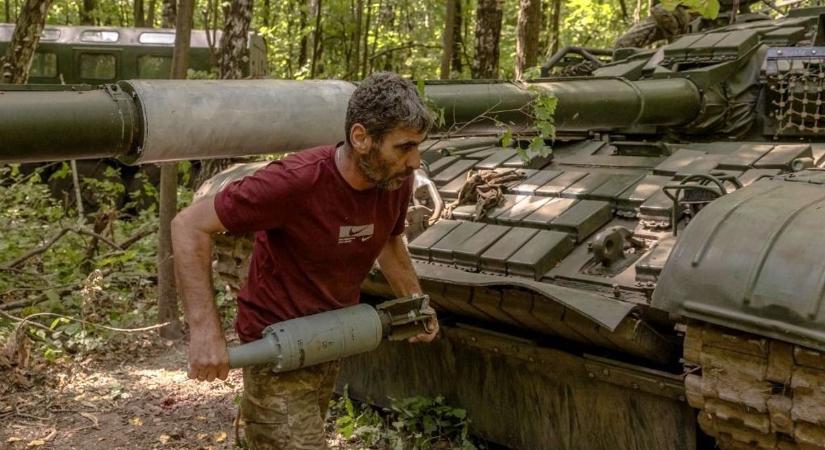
(422, 179)
(690, 183)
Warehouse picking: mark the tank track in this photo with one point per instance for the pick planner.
(754, 392)
(232, 255)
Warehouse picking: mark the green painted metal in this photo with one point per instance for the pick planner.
(752, 260)
(69, 123)
(179, 120)
(614, 103)
(99, 55)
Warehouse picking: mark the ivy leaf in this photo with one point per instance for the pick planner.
(507, 138)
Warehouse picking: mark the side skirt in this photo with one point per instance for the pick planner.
(528, 397)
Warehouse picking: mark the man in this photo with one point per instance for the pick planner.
(322, 217)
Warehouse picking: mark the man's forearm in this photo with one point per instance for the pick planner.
(193, 271)
(397, 268)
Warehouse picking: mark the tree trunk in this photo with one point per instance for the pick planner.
(7, 6)
(623, 7)
(234, 51)
(210, 24)
(355, 62)
(16, 63)
(555, 34)
(167, 296)
(527, 36)
(447, 43)
(302, 31)
(267, 12)
(140, 15)
(366, 45)
(150, 16)
(87, 8)
(317, 34)
(458, 38)
(488, 35)
(183, 38)
(169, 13)
(168, 310)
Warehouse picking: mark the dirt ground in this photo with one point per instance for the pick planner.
(141, 400)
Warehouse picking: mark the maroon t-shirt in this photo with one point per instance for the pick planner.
(316, 237)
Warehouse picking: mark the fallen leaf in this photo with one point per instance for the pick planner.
(36, 443)
(219, 437)
(14, 439)
(136, 421)
(91, 418)
(164, 438)
(202, 436)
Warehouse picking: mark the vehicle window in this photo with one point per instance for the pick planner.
(156, 38)
(97, 66)
(99, 36)
(50, 34)
(153, 67)
(44, 65)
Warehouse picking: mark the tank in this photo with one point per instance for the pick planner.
(653, 282)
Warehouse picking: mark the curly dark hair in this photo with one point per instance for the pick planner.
(384, 101)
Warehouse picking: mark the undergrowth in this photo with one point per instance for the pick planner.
(87, 287)
(81, 285)
(412, 423)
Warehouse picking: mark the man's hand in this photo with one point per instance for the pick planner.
(208, 357)
(432, 327)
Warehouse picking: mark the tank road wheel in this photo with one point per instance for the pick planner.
(754, 392)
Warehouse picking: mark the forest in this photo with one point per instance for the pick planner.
(351, 38)
(82, 289)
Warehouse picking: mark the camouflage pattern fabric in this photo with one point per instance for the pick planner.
(661, 24)
(286, 411)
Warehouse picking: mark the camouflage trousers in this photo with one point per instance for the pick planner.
(286, 411)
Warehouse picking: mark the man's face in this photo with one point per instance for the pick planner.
(390, 162)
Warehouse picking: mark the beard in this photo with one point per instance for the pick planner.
(376, 169)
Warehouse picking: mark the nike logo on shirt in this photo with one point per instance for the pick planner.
(349, 233)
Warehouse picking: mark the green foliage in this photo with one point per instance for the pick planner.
(412, 423)
(543, 111)
(706, 8)
(75, 277)
(436, 112)
(591, 23)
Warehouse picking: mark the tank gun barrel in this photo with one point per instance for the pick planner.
(583, 104)
(143, 121)
(614, 103)
(146, 121)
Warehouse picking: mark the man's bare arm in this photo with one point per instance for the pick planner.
(397, 268)
(192, 231)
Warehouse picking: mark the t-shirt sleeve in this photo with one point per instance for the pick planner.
(260, 201)
(403, 203)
